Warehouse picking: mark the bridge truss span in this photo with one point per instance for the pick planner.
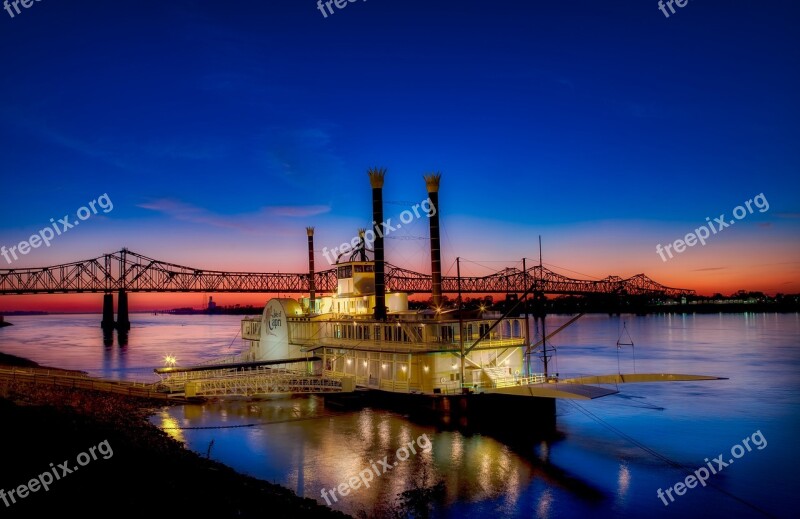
(128, 271)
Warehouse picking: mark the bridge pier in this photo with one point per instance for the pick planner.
(123, 324)
(107, 324)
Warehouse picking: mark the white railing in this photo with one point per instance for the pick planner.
(510, 381)
(251, 384)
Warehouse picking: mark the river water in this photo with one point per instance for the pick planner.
(610, 457)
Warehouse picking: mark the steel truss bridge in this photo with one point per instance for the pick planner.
(131, 272)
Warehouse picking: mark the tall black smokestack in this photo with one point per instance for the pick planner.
(376, 180)
(432, 183)
(311, 291)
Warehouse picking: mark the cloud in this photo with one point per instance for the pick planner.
(298, 211)
(186, 151)
(95, 149)
(186, 212)
(190, 213)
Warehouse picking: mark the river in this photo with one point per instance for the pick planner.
(611, 456)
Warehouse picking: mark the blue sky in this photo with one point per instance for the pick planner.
(221, 129)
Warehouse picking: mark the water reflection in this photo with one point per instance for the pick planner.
(543, 507)
(623, 482)
(306, 446)
(171, 426)
(587, 470)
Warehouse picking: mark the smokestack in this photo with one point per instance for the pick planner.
(311, 291)
(432, 183)
(376, 180)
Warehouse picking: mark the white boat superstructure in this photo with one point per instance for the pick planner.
(411, 351)
(365, 335)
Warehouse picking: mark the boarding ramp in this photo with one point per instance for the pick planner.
(253, 383)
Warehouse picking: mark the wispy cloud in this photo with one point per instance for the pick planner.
(298, 211)
(185, 212)
(95, 149)
(191, 213)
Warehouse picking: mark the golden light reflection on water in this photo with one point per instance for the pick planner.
(302, 445)
(384, 433)
(544, 451)
(623, 480)
(495, 471)
(366, 426)
(508, 470)
(171, 426)
(545, 504)
(457, 449)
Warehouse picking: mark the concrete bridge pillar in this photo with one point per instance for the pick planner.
(107, 323)
(123, 324)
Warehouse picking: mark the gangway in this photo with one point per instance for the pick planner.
(258, 382)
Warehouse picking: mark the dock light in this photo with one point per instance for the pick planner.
(383, 366)
(454, 366)
(483, 308)
(170, 360)
(349, 361)
(425, 369)
(365, 363)
(403, 368)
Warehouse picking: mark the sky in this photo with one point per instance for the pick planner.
(210, 134)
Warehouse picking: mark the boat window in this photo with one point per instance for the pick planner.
(483, 328)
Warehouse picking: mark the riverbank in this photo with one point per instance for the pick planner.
(147, 474)
(16, 362)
